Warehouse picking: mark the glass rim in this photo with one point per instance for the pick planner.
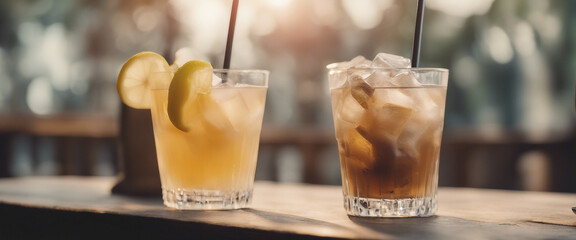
(416, 69)
(220, 70)
(213, 87)
(223, 71)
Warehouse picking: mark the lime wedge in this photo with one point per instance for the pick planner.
(189, 93)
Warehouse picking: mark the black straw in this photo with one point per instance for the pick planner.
(418, 34)
(230, 38)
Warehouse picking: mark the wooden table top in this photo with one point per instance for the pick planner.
(83, 208)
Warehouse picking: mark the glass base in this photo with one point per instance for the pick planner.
(404, 207)
(206, 199)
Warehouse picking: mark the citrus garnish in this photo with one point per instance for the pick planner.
(189, 93)
(135, 78)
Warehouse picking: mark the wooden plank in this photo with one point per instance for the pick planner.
(508, 207)
(279, 211)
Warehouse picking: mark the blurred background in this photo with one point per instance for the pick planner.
(510, 121)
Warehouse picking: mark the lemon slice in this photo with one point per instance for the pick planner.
(136, 77)
(189, 93)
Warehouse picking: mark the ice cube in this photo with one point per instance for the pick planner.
(358, 152)
(379, 79)
(232, 108)
(348, 109)
(404, 79)
(426, 124)
(216, 81)
(390, 118)
(438, 96)
(386, 60)
(427, 101)
(338, 74)
(214, 114)
(254, 99)
(242, 108)
(391, 96)
(388, 112)
(419, 142)
(392, 78)
(385, 143)
(408, 141)
(360, 62)
(357, 62)
(356, 146)
(361, 91)
(381, 126)
(337, 79)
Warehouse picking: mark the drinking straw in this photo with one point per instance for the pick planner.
(418, 34)
(228, 53)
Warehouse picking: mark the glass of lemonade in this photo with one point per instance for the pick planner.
(212, 164)
(388, 124)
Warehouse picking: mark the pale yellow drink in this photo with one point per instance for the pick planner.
(206, 124)
(212, 165)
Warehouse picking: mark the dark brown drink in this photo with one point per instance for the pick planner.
(389, 144)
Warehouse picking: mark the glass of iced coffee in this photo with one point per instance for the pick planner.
(388, 120)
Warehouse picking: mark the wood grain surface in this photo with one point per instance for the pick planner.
(82, 207)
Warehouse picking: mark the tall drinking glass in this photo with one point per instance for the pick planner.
(212, 165)
(388, 124)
